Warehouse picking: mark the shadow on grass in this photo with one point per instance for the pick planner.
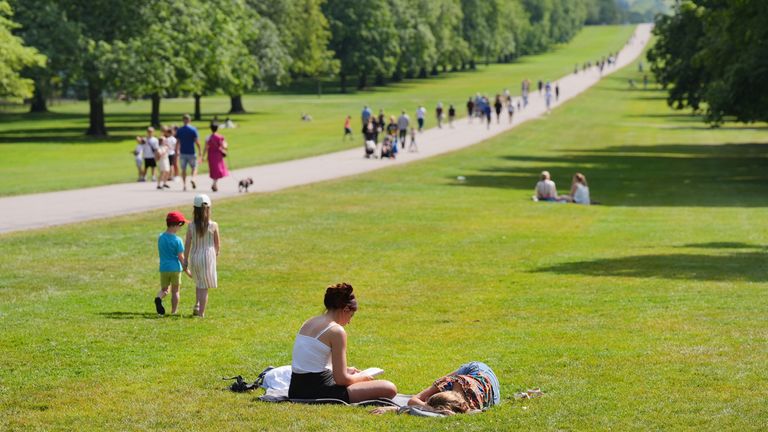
(726, 175)
(739, 266)
(130, 315)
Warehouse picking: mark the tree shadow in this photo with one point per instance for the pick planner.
(130, 315)
(675, 175)
(723, 245)
(739, 266)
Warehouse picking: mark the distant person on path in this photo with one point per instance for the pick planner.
(381, 121)
(347, 128)
(366, 114)
(579, 191)
(215, 150)
(203, 246)
(451, 115)
(470, 109)
(151, 144)
(497, 105)
(541, 86)
(171, 252)
(525, 88)
(421, 112)
(545, 189)
(171, 141)
(403, 122)
(548, 97)
(319, 361)
(557, 92)
(138, 157)
(439, 114)
(163, 164)
(188, 142)
(392, 133)
(510, 111)
(472, 387)
(369, 138)
(412, 147)
(487, 112)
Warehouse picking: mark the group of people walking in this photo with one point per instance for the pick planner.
(395, 132)
(177, 149)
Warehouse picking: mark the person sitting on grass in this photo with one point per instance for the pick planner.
(545, 188)
(472, 387)
(319, 363)
(579, 191)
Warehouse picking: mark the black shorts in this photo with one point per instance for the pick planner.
(172, 159)
(318, 385)
(149, 163)
(347, 131)
(403, 133)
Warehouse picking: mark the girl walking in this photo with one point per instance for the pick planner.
(203, 245)
(216, 149)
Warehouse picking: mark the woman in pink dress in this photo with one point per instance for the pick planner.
(215, 149)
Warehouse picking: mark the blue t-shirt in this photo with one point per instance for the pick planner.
(169, 246)
(187, 135)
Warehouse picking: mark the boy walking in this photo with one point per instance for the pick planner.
(170, 248)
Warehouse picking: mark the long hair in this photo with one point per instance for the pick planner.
(580, 178)
(202, 219)
(448, 402)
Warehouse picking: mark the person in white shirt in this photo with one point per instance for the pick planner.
(579, 191)
(137, 155)
(171, 141)
(420, 114)
(545, 188)
(151, 144)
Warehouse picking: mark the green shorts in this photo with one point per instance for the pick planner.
(170, 278)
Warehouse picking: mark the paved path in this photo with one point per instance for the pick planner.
(57, 208)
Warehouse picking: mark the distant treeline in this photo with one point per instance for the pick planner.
(161, 48)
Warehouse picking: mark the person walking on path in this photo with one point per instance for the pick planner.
(487, 112)
(171, 252)
(525, 87)
(366, 114)
(203, 245)
(451, 115)
(510, 111)
(188, 148)
(497, 105)
(470, 109)
(403, 122)
(151, 145)
(215, 150)
(421, 112)
(541, 86)
(170, 140)
(347, 128)
(557, 92)
(138, 157)
(439, 115)
(163, 165)
(548, 97)
(412, 148)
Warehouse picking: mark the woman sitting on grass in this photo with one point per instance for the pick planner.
(545, 188)
(579, 191)
(319, 365)
(472, 387)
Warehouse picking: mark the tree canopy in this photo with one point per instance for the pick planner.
(14, 57)
(712, 57)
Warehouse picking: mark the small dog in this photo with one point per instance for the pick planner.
(244, 184)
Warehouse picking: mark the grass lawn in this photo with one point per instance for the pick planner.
(644, 313)
(48, 152)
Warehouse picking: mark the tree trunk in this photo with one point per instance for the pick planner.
(155, 117)
(362, 81)
(197, 116)
(380, 80)
(343, 82)
(236, 105)
(97, 126)
(38, 104)
(472, 64)
(434, 71)
(422, 72)
(319, 87)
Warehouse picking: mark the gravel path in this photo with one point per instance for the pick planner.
(57, 208)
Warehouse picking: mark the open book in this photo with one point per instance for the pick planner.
(374, 371)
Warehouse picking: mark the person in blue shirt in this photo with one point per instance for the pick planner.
(188, 149)
(171, 251)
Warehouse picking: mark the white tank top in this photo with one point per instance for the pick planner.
(310, 355)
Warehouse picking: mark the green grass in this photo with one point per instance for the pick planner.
(644, 313)
(48, 152)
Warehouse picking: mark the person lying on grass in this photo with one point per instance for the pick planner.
(319, 363)
(472, 387)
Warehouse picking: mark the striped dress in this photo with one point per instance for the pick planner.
(202, 257)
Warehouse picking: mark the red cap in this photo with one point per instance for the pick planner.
(175, 217)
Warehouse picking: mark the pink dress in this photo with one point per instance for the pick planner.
(216, 166)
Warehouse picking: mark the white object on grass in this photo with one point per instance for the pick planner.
(372, 372)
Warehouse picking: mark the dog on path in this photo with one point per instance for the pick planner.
(244, 184)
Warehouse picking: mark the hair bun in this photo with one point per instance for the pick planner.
(339, 296)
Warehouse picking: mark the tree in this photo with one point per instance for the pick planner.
(364, 39)
(418, 50)
(446, 22)
(712, 57)
(14, 57)
(45, 27)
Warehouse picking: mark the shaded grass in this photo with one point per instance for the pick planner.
(49, 152)
(629, 316)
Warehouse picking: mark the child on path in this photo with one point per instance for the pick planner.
(163, 164)
(139, 158)
(202, 244)
(412, 147)
(347, 127)
(171, 252)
